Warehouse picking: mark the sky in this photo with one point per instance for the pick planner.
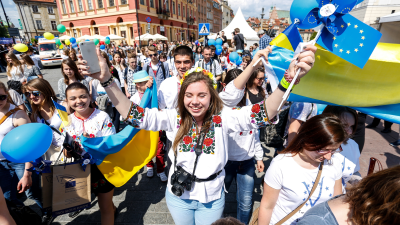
(11, 10)
(252, 8)
(249, 8)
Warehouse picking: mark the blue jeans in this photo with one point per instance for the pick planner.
(244, 172)
(10, 174)
(191, 212)
(31, 78)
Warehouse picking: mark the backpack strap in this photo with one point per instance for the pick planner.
(9, 113)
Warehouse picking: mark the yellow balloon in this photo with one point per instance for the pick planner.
(48, 36)
(61, 46)
(67, 42)
(21, 47)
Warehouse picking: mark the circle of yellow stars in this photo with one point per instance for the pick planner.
(356, 49)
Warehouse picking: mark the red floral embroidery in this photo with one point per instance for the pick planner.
(251, 132)
(91, 135)
(187, 140)
(94, 185)
(256, 108)
(102, 181)
(208, 142)
(140, 109)
(217, 119)
(241, 133)
(252, 115)
(74, 136)
(109, 125)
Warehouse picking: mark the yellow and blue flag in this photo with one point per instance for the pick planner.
(62, 113)
(335, 81)
(122, 155)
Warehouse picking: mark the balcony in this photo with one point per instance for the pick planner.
(190, 20)
(163, 14)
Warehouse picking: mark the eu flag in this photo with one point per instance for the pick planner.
(355, 40)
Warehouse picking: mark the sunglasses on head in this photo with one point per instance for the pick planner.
(151, 55)
(34, 93)
(3, 97)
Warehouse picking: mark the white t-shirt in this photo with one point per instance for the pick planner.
(295, 184)
(35, 59)
(17, 99)
(6, 127)
(350, 161)
(136, 98)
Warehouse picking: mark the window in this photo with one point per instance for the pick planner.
(90, 6)
(100, 3)
(142, 2)
(53, 25)
(173, 7)
(152, 3)
(96, 30)
(179, 9)
(166, 2)
(39, 24)
(80, 5)
(50, 9)
(63, 7)
(115, 31)
(123, 34)
(35, 9)
(71, 4)
(183, 11)
(111, 2)
(131, 31)
(123, 2)
(198, 9)
(75, 34)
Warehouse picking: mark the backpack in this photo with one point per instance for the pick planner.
(162, 68)
(126, 71)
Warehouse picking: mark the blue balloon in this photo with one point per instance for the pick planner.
(218, 46)
(233, 56)
(107, 38)
(87, 40)
(239, 61)
(72, 40)
(75, 45)
(102, 47)
(26, 143)
(218, 51)
(211, 42)
(196, 42)
(219, 41)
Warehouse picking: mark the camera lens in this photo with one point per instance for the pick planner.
(177, 190)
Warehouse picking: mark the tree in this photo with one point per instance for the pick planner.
(4, 31)
(313, 36)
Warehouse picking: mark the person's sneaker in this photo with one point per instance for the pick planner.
(47, 219)
(162, 177)
(150, 172)
(395, 144)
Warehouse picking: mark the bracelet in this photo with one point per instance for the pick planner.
(280, 87)
(107, 83)
(284, 84)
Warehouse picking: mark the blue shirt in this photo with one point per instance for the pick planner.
(159, 76)
(264, 41)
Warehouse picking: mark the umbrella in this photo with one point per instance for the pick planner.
(160, 37)
(96, 37)
(115, 37)
(84, 37)
(65, 37)
(145, 37)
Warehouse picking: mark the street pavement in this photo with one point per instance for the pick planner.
(142, 199)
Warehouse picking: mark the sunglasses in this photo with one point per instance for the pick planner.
(151, 55)
(3, 97)
(34, 93)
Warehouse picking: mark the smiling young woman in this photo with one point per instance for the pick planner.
(200, 125)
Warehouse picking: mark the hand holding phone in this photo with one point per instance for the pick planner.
(88, 51)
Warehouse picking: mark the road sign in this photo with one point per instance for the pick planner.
(204, 28)
(14, 32)
(148, 19)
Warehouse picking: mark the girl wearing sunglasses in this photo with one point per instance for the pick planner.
(91, 122)
(291, 175)
(71, 75)
(14, 176)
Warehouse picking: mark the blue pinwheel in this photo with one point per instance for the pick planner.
(342, 34)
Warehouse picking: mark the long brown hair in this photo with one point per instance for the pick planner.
(317, 133)
(28, 60)
(45, 89)
(9, 99)
(375, 200)
(69, 62)
(15, 63)
(216, 105)
(105, 56)
(340, 111)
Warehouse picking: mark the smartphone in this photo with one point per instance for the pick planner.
(88, 51)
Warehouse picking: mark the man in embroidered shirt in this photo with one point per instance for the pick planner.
(210, 64)
(132, 69)
(264, 39)
(156, 69)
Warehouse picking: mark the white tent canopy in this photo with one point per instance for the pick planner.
(160, 37)
(145, 37)
(65, 37)
(84, 37)
(115, 37)
(96, 37)
(240, 22)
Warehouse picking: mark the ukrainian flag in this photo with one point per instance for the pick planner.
(62, 113)
(334, 81)
(120, 156)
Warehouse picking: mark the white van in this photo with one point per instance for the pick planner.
(49, 47)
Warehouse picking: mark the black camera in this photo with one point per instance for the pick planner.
(181, 180)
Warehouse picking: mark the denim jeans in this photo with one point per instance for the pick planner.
(191, 212)
(243, 172)
(31, 78)
(10, 174)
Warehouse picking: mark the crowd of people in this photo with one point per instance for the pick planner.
(213, 118)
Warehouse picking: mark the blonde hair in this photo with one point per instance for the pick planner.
(15, 63)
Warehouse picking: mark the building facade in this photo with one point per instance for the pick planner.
(370, 11)
(38, 17)
(214, 15)
(174, 19)
(227, 13)
(202, 11)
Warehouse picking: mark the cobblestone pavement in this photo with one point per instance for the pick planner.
(142, 199)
